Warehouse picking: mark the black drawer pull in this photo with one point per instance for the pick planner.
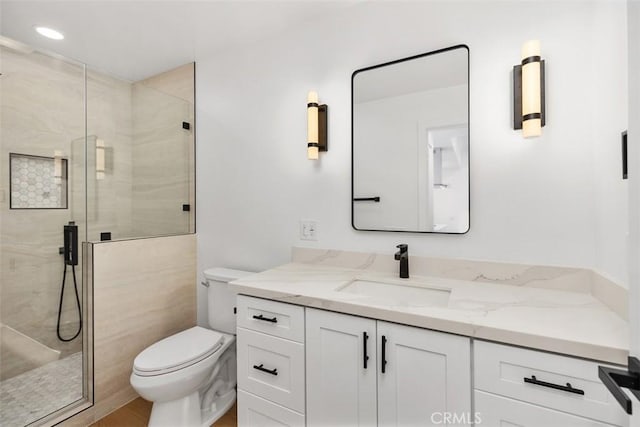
(273, 371)
(266, 319)
(365, 337)
(567, 388)
(383, 363)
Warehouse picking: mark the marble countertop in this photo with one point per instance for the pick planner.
(560, 321)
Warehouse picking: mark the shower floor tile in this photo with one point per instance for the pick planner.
(32, 395)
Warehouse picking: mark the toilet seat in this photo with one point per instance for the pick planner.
(178, 351)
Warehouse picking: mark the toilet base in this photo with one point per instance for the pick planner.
(183, 412)
(186, 412)
(219, 408)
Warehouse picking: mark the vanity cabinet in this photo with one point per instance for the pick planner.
(519, 386)
(367, 372)
(302, 366)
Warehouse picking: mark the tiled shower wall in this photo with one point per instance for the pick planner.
(144, 290)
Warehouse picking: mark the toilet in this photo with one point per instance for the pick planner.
(191, 376)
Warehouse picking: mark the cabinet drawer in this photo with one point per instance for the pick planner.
(494, 411)
(271, 317)
(531, 375)
(254, 411)
(271, 368)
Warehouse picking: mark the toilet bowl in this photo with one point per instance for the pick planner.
(191, 376)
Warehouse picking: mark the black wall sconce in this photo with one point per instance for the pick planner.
(316, 126)
(528, 91)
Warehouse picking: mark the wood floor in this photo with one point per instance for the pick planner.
(136, 414)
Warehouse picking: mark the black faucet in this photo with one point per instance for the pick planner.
(403, 256)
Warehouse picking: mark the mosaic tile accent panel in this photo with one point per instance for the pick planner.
(30, 396)
(34, 184)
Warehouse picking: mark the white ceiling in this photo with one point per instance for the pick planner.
(137, 39)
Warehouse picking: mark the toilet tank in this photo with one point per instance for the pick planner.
(221, 299)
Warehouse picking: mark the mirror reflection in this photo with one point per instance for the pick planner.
(410, 142)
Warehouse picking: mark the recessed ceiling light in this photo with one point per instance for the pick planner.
(49, 33)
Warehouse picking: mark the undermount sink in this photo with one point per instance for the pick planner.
(399, 294)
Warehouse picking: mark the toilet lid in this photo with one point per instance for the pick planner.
(178, 351)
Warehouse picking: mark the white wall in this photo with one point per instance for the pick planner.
(554, 200)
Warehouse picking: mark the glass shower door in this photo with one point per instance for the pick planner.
(42, 196)
(163, 163)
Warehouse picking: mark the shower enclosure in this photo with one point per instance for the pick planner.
(83, 157)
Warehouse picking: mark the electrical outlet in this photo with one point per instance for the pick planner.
(308, 230)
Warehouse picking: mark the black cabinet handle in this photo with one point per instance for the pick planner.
(567, 388)
(367, 199)
(625, 162)
(384, 354)
(266, 319)
(615, 379)
(273, 371)
(365, 337)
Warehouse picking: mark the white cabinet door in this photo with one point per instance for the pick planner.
(497, 411)
(340, 390)
(427, 375)
(254, 411)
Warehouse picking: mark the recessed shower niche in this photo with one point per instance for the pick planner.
(38, 182)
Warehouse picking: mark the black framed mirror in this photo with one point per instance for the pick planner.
(410, 144)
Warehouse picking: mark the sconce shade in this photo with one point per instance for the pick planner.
(531, 111)
(529, 108)
(100, 160)
(316, 126)
(312, 152)
(312, 125)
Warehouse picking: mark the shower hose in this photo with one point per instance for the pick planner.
(75, 287)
